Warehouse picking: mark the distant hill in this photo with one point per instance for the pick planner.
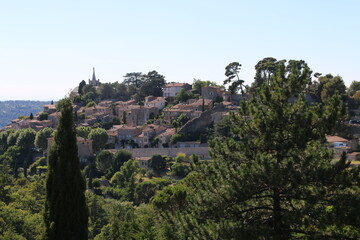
(10, 110)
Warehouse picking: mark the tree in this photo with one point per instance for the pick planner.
(83, 131)
(153, 84)
(105, 91)
(99, 137)
(120, 157)
(81, 86)
(183, 95)
(31, 117)
(88, 88)
(66, 213)
(121, 91)
(15, 157)
(158, 163)
(198, 84)
(121, 222)
(265, 69)
(97, 214)
(125, 179)
(354, 87)
(134, 79)
(232, 73)
(180, 121)
(329, 85)
(276, 181)
(41, 138)
(26, 142)
(43, 116)
(144, 191)
(104, 161)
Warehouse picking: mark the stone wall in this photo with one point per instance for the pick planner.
(203, 121)
(202, 152)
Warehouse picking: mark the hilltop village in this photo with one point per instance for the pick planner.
(177, 118)
(154, 152)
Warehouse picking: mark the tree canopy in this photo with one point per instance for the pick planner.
(276, 181)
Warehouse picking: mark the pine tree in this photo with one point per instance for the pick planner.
(273, 178)
(66, 213)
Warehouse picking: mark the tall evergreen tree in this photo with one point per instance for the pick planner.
(66, 213)
(273, 179)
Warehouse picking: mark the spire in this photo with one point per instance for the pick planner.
(93, 77)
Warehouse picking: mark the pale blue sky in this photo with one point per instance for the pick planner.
(48, 47)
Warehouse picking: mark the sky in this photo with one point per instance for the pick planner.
(48, 47)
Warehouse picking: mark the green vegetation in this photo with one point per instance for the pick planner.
(271, 176)
(66, 212)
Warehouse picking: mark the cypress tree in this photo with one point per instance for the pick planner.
(66, 213)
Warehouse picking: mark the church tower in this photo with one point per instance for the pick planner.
(93, 81)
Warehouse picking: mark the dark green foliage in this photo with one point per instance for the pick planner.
(66, 213)
(81, 86)
(183, 95)
(26, 142)
(120, 157)
(329, 85)
(97, 214)
(354, 87)
(179, 169)
(198, 84)
(5, 179)
(264, 71)
(146, 190)
(232, 73)
(180, 121)
(124, 180)
(104, 161)
(158, 163)
(41, 138)
(116, 121)
(276, 181)
(83, 131)
(135, 79)
(99, 137)
(153, 84)
(43, 116)
(222, 128)
(105, 91)
(41, 162)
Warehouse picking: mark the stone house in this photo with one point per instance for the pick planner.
(54, 118)
(192, 110)
(157, 102)
(149, 132)
(105, 103)
(171, 89)
(85, 150)
(165, 137)
(119, 105)
(210, 92)
(50, 108)
(144, 162)
(340, 145)
(97, 110)
(136, 115)
(128, 132)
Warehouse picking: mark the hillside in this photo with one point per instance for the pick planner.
(10, 110)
